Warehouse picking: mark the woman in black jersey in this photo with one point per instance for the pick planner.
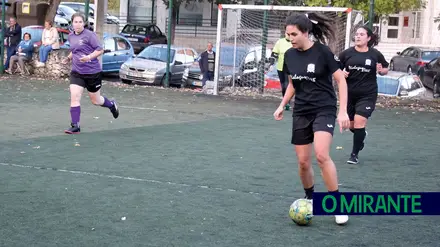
(360, 64)
(310, 66)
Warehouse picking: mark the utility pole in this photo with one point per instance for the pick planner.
(371, 15)
(101, 9)
(2, 37)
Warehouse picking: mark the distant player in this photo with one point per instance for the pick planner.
(360, 64)
(86, 71)
(281, 46)
(310, 66)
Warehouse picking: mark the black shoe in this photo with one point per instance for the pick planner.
(114, 109)
(74, 129)
(353, 159)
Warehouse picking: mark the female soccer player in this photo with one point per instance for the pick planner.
(281, 46)
(86, 71)
(361, 63)
(310, 66)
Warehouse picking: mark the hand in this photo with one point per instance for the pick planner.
(343, 121)
(345, 73)
(65, 60)
(85, 59)
(379, 68)
(278, 114)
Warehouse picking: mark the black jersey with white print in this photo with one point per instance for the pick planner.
(311, 72)
(361, 66)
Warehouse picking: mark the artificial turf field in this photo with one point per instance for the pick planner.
(191, 170)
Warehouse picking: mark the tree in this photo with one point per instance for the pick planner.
(381, 7)
(53, 6)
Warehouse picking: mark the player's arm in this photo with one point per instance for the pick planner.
(275, 53)
(383, 62)
(96, 46)
(342, 90)
(334, 65)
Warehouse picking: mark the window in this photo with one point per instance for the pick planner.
(429, 55)
(393, 21)
(180, 56)
(121, 44)
(406, 52)
(109, 44)
(157, 30)
(392, 33)
(190, 52)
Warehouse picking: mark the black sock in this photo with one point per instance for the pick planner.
(309, 192)
(335, 191)
(358, 140)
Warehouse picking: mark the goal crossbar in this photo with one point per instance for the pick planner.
(286, 8)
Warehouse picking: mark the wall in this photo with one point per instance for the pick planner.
(54, 68)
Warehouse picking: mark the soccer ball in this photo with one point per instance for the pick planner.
(301, 212)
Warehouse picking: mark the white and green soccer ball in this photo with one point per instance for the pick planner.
(301, 212)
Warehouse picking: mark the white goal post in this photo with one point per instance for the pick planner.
(240, 26)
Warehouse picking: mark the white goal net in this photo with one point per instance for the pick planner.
(244, 32)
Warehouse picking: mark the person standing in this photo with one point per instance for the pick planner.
(207, 64)
(13, 38)
(281, 46)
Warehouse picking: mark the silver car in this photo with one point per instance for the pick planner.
(149, 66)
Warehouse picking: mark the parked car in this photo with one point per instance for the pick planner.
(36, 32)
(150, 65)
(244, 71)
(60, 22)
(271, 79)
(117, 50)
(413, 58)
(141, 35)
(400, 84)
(66, 12)
(80, 7)
(430, 76)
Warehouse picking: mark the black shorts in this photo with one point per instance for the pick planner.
(92, 82)
(361, 105)
(305, 126)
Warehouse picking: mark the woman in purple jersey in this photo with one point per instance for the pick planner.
(86, 71)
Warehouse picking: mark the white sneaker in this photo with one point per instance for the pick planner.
(341, 219)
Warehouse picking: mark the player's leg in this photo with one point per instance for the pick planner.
(364, 108)
(302, 137)
(323, 128)
(76, 88)
(94, 83)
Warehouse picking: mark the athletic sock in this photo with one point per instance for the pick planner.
(75, 113)
(335, 191)
(358, 140)
(309, 192)
(107, 103)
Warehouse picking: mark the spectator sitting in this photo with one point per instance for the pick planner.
(24, 53)
(49, 41)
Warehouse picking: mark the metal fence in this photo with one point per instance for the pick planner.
(194, 27)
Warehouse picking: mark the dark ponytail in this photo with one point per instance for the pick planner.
(374, 40)
(318, 25)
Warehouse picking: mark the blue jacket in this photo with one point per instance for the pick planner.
(27, 47)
